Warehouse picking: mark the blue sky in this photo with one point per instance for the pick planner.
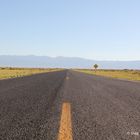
(94, 29)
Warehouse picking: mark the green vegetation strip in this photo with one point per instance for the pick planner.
(20, 72)
(120, 74)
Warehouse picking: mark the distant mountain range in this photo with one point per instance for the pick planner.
(63, 62)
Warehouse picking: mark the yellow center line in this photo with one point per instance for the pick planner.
(67, 78)
(65, 130)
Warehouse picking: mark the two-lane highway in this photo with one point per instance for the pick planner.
(40, 107)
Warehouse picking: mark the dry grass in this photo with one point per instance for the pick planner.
(120, 74)
(20, 72)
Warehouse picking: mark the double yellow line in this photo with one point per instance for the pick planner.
(65, 131)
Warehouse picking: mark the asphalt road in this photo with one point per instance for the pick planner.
(101, 108)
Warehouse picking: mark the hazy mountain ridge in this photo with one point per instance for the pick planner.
(63, 62)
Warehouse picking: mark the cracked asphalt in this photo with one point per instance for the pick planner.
(101, 108)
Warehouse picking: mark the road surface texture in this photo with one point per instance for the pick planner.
(101, 108)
